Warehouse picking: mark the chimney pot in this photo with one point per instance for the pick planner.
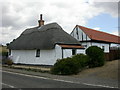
(41, 22)
(40, 16)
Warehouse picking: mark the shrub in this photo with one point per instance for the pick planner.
(82, 60)
(9, 62)
(65, 66)
(4, 55)
(96, 56)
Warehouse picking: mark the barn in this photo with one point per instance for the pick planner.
(90, 37)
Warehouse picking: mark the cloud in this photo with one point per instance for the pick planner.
(97, 28)
(17, 15)
(105, 0)
(115, 32)
(108, 7)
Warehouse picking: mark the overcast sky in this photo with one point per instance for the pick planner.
(18, 15)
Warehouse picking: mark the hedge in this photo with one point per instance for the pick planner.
(96, 56)
(65, 66)
(69, 66)
(82, 60)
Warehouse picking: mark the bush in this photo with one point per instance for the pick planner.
(96, 56)
(4, 55)
(82, 60)
(9, 62)
(65, 66)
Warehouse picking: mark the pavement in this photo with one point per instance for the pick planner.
(30, 67)
(90, 81)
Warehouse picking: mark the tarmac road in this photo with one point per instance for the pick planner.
(16, 80)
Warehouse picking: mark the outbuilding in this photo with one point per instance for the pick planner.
(90, 37)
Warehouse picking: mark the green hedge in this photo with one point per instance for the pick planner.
(9, 62)
(96, 56)
(5, 54)
(82, 60)
(73, 65)
(69, 66)
(65, 66)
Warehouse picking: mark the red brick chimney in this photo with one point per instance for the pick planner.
(41, 22)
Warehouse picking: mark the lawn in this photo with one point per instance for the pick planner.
(109, 70)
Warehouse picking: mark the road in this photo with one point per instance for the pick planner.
(16, 80)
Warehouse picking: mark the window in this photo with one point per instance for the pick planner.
(9, 51)
(86, 37)
(73, 51)
(82, 36)
(84, 45)
(77, 33)
(38, 53)
(103, 48)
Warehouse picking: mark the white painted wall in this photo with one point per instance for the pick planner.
(68, 52)
(106, 46)
(80, 51)
(79, 35)
(114, 45)
(47, 57)
(88, 44)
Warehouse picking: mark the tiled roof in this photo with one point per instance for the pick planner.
(71, 46)
(100, 36)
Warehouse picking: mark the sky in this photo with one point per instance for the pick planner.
(18, 15)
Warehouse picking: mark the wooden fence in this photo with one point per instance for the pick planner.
(113, 54)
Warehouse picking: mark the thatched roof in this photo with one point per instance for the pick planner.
(44, 37)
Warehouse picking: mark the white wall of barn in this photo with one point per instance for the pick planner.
(101, 45)
(81, 36)
(114, 45)
(78, 34)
